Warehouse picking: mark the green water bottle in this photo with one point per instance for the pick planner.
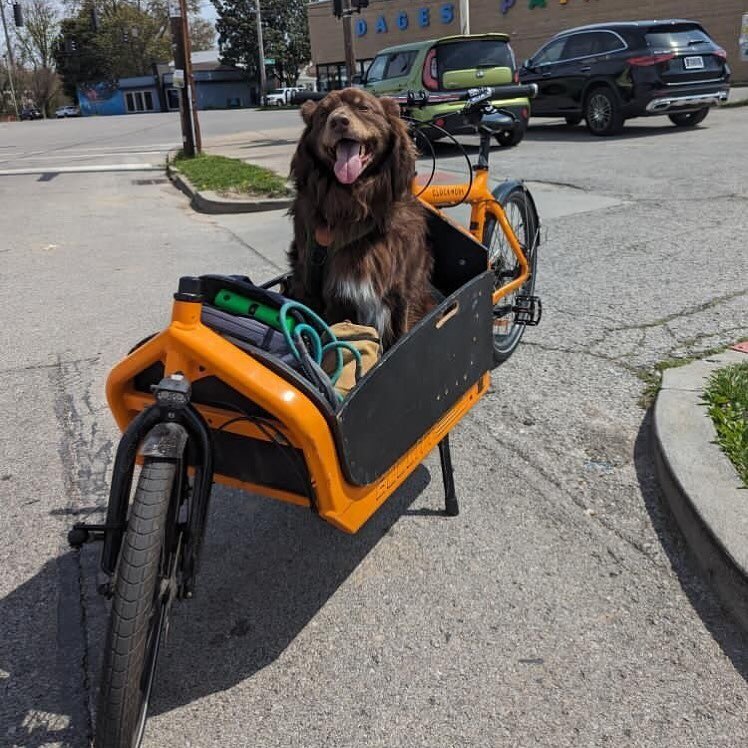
(236, 304)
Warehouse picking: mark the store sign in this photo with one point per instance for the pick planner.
(402, 20)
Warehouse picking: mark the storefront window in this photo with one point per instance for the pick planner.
(335, 75)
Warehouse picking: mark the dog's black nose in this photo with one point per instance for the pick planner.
(339, 122)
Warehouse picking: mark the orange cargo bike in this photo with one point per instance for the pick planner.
(197, 406)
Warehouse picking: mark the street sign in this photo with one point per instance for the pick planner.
(178, 79)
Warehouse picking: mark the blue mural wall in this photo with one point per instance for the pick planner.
(101, 98)
(215, 89)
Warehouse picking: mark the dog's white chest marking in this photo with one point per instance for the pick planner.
(369, 306)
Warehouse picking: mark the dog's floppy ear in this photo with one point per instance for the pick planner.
(403, 164)
(390, 106)
(307, 111)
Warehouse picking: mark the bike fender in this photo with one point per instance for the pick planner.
(503, 189)
(164, 440)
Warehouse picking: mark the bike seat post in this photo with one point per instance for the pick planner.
(484, 150)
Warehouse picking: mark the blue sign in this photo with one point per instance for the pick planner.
(402, 20)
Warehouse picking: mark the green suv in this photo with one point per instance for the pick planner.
(452, 63)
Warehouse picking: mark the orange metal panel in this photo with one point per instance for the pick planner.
(190, 347)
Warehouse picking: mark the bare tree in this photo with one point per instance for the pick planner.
(36, 40)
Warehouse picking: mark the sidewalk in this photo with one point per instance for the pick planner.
(699, 482)
(271, 149)
(738, 94)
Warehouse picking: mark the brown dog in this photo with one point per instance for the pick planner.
(359, 251)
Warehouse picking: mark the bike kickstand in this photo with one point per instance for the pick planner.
(451, 506)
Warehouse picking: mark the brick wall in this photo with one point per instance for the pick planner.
(529, 28)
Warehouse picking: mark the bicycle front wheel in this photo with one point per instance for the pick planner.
(139, 609)
(520, 213)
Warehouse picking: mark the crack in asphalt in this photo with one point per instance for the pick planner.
(682, 314)
(643, 327)
(84, 472)
(54, 366)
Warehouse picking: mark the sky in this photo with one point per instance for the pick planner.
(207, 10)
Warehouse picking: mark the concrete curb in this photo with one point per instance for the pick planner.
(699, 482)
(206, 201)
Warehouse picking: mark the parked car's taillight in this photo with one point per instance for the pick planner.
(719, 52)
(648, 60)
(430, 77)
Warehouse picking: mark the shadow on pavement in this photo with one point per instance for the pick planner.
(267, 569)
(42, 656)
(727, 633)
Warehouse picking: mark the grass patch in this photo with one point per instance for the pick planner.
(230, 176)
(730, 104)
(726, 397)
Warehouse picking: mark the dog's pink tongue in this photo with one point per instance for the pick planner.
(348, 164)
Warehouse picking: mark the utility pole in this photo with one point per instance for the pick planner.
(464, 16)
(189, 78)
(180, 63)
(11, 61)
(350, 55)
(261, 51)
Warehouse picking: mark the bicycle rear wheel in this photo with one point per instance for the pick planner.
(520, 213)
(140, 607)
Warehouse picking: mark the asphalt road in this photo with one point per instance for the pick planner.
(133, 141)
(560, 608)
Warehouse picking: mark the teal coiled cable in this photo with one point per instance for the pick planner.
(313, 328)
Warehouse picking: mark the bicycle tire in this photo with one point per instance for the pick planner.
(138, 613)
(502, 260)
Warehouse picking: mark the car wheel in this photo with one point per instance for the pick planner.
(575, 120)
(509, 138)
(689, 119)
(603, 112)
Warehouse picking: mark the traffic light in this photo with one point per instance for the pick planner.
(359, 5)
(18, 14)
(337, 8)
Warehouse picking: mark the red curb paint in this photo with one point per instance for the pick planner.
(742, 347)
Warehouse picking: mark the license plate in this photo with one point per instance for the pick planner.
(693, 63)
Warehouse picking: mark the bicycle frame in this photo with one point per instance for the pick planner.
(189, 347)
(482, 204)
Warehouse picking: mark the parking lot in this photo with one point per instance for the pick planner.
(561, 608)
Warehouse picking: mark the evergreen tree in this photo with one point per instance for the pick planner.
(285, 34)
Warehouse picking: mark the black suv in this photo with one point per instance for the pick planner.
(610, 72)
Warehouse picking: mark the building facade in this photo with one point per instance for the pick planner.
(217, 86)
(529, 22)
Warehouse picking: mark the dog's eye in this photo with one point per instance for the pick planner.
(363, 107)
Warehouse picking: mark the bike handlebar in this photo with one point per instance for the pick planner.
(472, 95)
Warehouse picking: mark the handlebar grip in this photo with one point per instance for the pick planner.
(515, 91)
(485, 93)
